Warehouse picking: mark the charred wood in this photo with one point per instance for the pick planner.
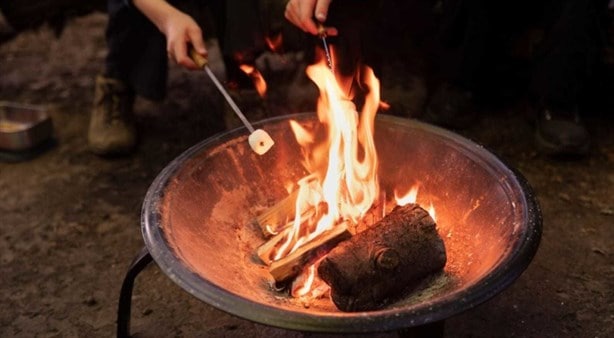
(382, 263)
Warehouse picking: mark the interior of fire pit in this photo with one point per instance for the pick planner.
(197, 223)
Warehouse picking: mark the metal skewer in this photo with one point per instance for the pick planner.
(259, 140)
(228, 98)
(322, 35)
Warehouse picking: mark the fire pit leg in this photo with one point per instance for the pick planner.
(432, 330)
(125, 297)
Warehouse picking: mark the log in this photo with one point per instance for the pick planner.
(290, 266)
(381, 264)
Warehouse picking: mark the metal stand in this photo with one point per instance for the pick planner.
(139, 263)
(142, 260)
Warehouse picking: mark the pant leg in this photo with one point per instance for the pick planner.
(574, 36)
(136, 51)
(240, 35)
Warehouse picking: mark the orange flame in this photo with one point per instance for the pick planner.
(274, 42)
(304, 287)
(412, 197)
(343, 183)
(257, 78)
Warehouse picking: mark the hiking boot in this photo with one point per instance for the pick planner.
(111, 130)
(561, 133)
(451, 107)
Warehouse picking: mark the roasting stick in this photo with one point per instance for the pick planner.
(259, 140)
(322, 35)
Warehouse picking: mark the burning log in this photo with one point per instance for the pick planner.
(272, 221)
(290, 266)
(378, 265)
(266, 251)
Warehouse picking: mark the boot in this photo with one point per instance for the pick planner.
(561, 133)
(111, 130)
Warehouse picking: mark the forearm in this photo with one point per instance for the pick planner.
(158, 11)
(180, 29)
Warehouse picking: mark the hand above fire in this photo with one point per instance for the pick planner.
(178, 27)
(301, 14)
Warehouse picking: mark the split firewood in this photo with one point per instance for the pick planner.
(275, 218)
(267, 250)
(377, 266)
(291, 265)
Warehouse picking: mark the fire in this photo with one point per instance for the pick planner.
(340, 155)
(257, 78)
(274, 42)
(343, 182)
(411, 197)
(303, 288)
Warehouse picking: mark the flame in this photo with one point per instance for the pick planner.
(303, 288)
(343, 182)
(341, 159)
(409, 197)
(257, 78)
(431, 211)
(412, 197)
(274, 42)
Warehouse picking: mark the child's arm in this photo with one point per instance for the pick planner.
(178, 27)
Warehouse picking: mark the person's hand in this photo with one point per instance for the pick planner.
(178, 27)
(181, 31)
(302, 12)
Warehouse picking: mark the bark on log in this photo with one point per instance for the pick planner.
(380, 264)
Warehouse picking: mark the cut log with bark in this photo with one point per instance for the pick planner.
(290, 266)
(382, 263)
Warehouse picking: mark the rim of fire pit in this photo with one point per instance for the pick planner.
(495, 281)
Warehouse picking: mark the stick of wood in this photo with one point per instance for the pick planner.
(377, 266)
(274, 219)
(291, 265)
(265, 251)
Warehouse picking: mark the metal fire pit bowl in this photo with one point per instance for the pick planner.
(196, 223)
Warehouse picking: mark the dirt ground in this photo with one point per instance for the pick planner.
(70, 221)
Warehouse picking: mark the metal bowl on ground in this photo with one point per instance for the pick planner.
(23, 127)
